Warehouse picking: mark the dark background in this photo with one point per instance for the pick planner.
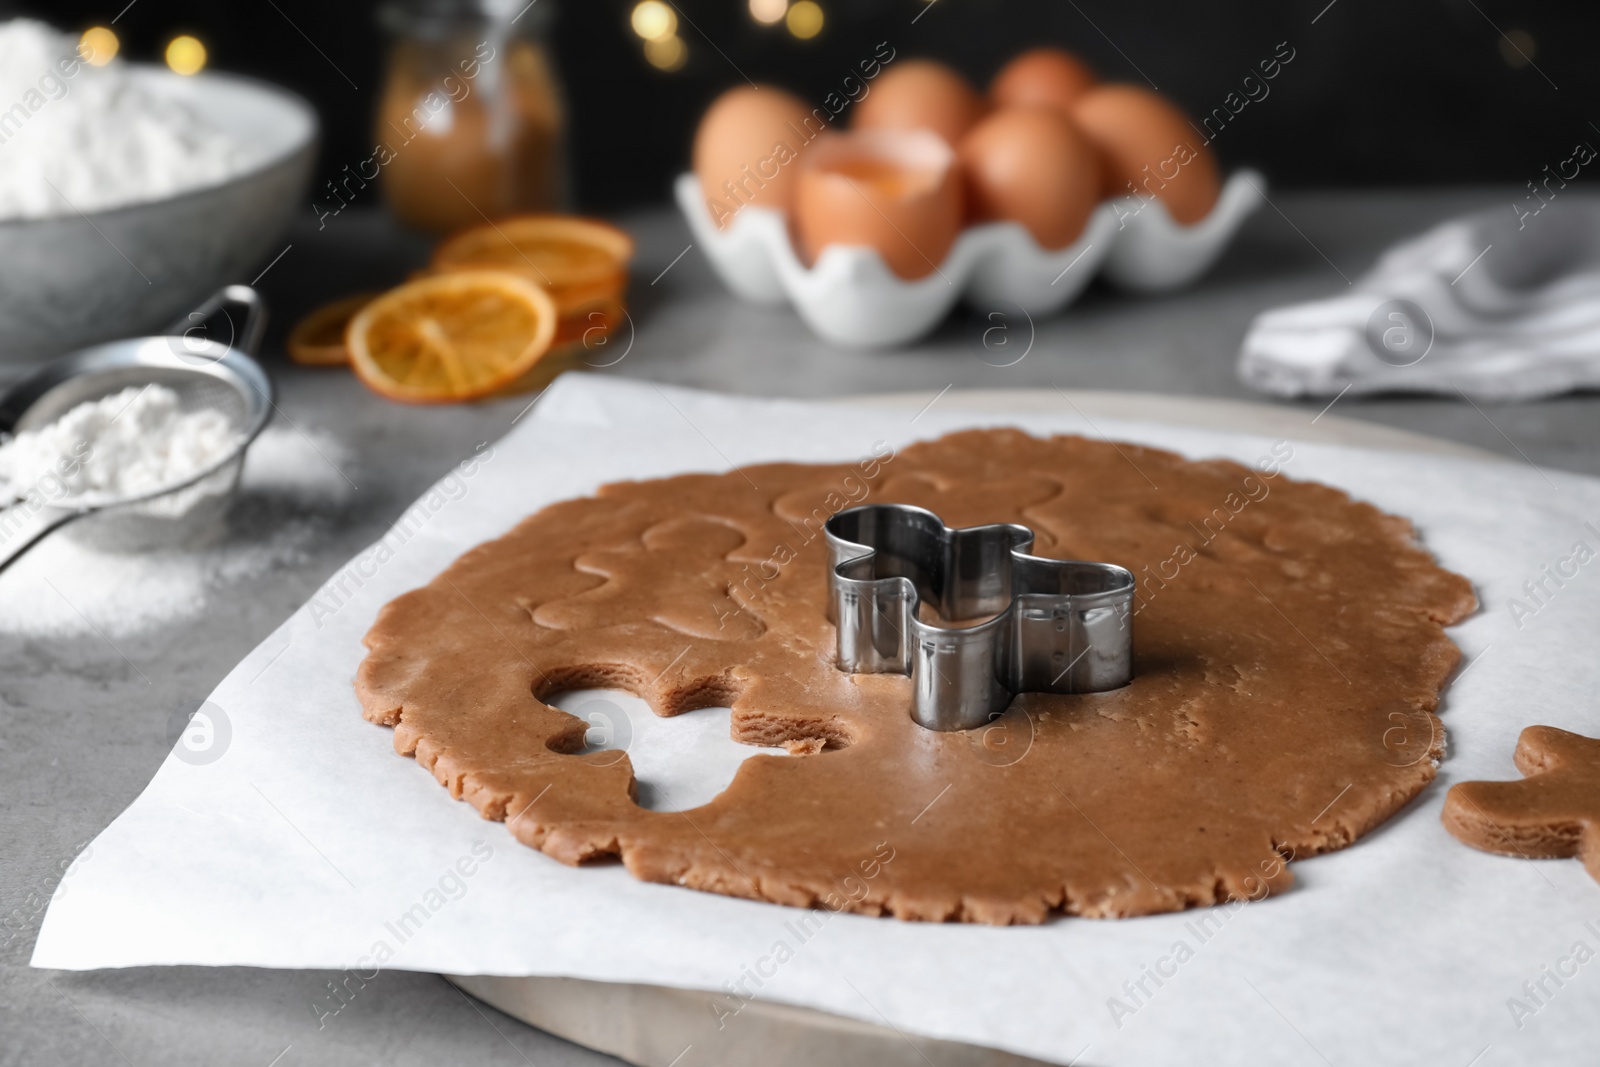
(1430, 92)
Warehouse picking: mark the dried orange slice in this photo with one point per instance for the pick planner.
(318, 339)
(591, 324)
(577, 260)
(451, 337)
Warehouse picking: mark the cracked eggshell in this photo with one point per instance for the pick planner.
(897, 192)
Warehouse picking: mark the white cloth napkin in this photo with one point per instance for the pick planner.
(1501, 305)
(306, 842)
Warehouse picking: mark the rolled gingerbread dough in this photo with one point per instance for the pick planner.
(1289, 653)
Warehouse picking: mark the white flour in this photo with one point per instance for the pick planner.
(123, 445)
(290, 495)
(74, 137)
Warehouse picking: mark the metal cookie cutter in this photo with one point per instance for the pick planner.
(1015, 622)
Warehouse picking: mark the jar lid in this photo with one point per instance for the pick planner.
(437, 19)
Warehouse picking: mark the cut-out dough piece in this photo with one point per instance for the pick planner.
(1552, 813)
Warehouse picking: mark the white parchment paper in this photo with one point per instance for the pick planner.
(308, 843)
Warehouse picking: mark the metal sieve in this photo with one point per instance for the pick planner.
(206, 360)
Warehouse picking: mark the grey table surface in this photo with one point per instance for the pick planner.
(83, 725)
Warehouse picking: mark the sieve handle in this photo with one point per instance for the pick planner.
(21, 527)
(246, 338)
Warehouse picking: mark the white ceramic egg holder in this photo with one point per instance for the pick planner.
(850, 297)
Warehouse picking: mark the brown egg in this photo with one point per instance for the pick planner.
(1150, 150)
(747, 149)
(897, 191)
(1048, 77)
(1032, 165)
(919, 94)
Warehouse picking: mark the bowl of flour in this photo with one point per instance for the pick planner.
(128, 193)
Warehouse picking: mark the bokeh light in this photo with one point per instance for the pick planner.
(666, 53)
(98, 46)
(804, 19)
(769, 12)
(186, 55)
(1517, 48)
(654, 20)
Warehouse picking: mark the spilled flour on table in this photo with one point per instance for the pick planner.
(290, 492)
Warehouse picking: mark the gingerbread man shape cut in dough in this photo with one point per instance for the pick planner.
(1552, 813)
(698, 600)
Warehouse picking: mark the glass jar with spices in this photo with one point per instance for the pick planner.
(470, 124)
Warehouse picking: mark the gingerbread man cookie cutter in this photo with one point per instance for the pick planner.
(1012, 622)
